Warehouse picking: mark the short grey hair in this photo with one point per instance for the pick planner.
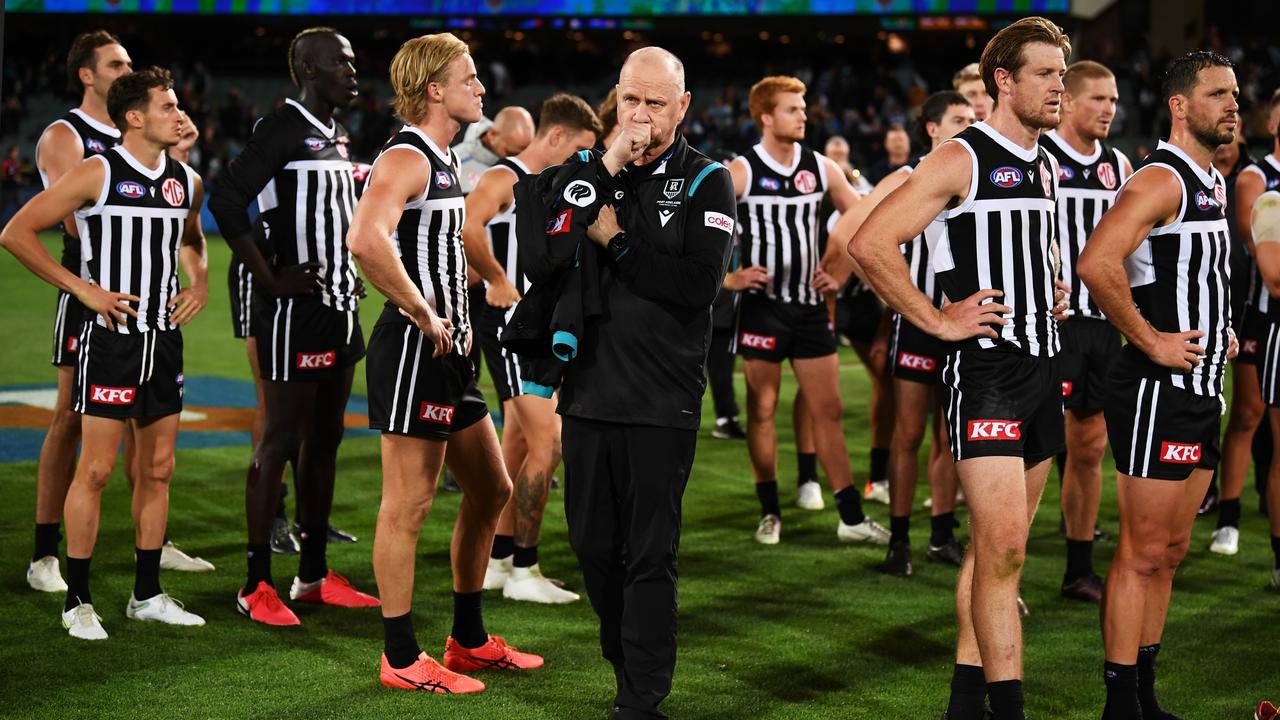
(657, 54)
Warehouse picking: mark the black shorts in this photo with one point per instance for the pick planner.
(128, 376)
(304, 340)
(411, 393)
(1268, 360)
(776, 331)
(1089, 346)
(240, 290)
(1252, 336)
(68, 321)
(858, 317)
(917, 355)
(1002, 403)
(1159, 431)
(504, 365)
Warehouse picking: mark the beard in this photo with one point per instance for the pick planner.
(1034, 115)
(1211, 137)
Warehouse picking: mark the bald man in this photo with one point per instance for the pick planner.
(632, 399)
(486, 142)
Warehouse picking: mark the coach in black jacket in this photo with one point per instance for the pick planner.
(631, 399)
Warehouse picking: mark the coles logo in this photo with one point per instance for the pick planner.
(560, 223)
(770, 184)
(806, 182)
(130, 189)
(1066, 388)
(95, 145)
(1202, 200)
(983, 430)
(438, 414)
(1065, 173)
(1220, 194)
(314, 144)
(1107, 174)
(1006, 177)
(173, 191)
(443, 180)
(911, 361)
(758, 342)
(1248, 347)
(1181, 453)
(317, 361)
(720, 221)
(112, 395)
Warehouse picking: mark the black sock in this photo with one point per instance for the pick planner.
(899, 529)
(941, 529)
(503, 547)
(312, 563)
(768, 494)
(259, 561)
(48, 536)
(468, 622)
(1060, 460)
(968, 693)
(1006, 700)
(1122, 692)
(1151, 709)
(849, 503)
(525, 557)
(1229, 513)
(399, 643)
(807, 468)
(1275, 550)
(879, 464)
(146, 574)
(284, 493)
(77, 582)
(1079, 559)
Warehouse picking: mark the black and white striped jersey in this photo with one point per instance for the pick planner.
(779, 214)
(132, 234)
(429, 235)
(502, 230)
(1261, 300)
(1181, 273)
(299, 170)
(1002, 237)
(96, 138)
(1087, 187)
(918, 252)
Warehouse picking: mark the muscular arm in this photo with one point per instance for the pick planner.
(57, 152)
(1249, 186)
(939, 180)
(851, 221)
(492, 195)
(1265, 228)
(836, 262)
(194, 260)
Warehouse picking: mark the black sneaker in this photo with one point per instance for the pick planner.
(1088, 589)
(728, 429)
(282, 541)
(450, 484)
(950, 553)
(898, 561)
(341, 536)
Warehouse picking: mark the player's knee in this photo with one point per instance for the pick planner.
(828, 410)
(1245, 417)
(95, 474)
(65, 424)
(1147, 557)
(1175, 551)
(907, 436)
(158, 470)
(408, 513)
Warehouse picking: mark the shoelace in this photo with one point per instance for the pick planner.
(81, 611)
(165, 600)
(270, 600)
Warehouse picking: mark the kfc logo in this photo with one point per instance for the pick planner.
(758, 342)
(317, 361)
(806, 182)
(438, 414)
(916, 362)
(1248, 347)
(73, 344)
(983, 430)
(111, 395)
(1107, 174)
(719, 221)
(1181, 453)
(561, 223)
(173, 192)
(1066, 388)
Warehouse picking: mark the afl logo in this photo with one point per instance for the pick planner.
(95, 145)
(1066, 173)
(1202, 201)
(130, 189)
(314, 144)
(770, 184)
(1006, 177)
(173, 191)
(1107, 174)
(443, 181)
(806, 182)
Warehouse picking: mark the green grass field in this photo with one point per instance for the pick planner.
(806, 629)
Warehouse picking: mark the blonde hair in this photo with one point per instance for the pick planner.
(1006, 49)
(968, 73)
(761, 99)
(418, 62)
(1081, 71)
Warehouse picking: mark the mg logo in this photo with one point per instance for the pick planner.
(758, 342)
(916, 362)
(1006, 177)
(438, 414)
(317, 361)
(173, 191)
(1181, 453)
(112, 395)
(983, 430)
